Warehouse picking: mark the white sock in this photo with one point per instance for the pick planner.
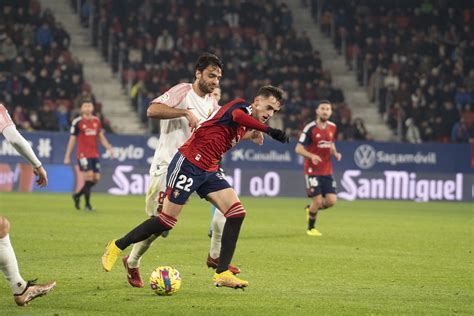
(138, 250)
(9, 266)
(218, 222)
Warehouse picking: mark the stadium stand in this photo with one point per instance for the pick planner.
(152, 44)
(41, 81)
(416, 59)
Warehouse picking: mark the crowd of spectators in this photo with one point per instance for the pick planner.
(154, 43)
(416, 58)
(41, 82)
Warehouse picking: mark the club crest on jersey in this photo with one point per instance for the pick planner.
(163, 98)
(176, 193)
(318, 135)
(197, 157)
(249, 109)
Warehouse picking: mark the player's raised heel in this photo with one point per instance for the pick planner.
(33, 291)
(133, 274)
(313, 232)
(212, 263)
(110, 256)
(227, 279)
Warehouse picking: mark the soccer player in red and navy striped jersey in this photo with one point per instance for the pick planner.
(87, 131)
(316, 144)
(195, 168)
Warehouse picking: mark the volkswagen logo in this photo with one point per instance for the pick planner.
(364, 156)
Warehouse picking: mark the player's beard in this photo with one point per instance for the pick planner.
(204, 87)
(323, 119)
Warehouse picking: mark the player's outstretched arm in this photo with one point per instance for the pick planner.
(69, 148)
(103, 140)
(23, 147)
(164, 112)
(246, 120)
(279, 135)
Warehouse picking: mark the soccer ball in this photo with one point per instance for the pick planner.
(165, 281)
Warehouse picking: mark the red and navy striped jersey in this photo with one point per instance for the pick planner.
(215, 136)
(87, 131)
(318, 141)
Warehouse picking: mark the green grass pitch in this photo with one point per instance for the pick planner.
(375, 257)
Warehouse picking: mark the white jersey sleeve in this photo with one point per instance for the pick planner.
(175, 132)
(5, 119)
(174, 96)
(21, 145)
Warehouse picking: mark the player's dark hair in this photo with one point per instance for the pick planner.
(87, 101)
(323, 102)
(206, 60)
(268, 91)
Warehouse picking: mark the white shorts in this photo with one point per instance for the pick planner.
(155, 194)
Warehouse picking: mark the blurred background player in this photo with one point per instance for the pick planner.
(86, 130)
(181, 109)
(23, 291)
(195, 168)
(316, 144)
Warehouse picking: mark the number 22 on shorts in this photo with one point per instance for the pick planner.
(184, 183)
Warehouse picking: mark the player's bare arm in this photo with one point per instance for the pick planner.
(163, 112)
(335, 153)
(300, 150)
(69, 148)
(103, 140)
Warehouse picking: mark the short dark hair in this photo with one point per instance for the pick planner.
(206, 60)
(268, 91)
(323, 102)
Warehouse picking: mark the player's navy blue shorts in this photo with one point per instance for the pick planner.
(184, 178)
(87, 164)
(320, 185)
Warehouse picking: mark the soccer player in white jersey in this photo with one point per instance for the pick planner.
(181, 109)
(23, 291)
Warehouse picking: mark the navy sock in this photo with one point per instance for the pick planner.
(230, 235)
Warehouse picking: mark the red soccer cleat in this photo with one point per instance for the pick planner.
(212, 263)
(133, 274)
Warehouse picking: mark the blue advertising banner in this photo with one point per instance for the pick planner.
(368, 170)
(50, 148)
